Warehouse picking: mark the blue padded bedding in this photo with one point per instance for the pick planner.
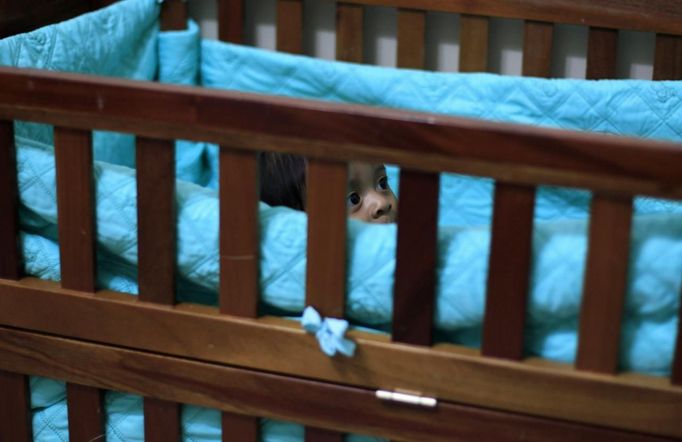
(636, 108)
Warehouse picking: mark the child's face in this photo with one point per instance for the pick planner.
(370, 198)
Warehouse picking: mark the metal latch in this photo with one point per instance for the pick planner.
(406, 398)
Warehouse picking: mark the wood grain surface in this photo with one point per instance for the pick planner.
(640, 15)
(281, 397)
(85, 410)
(473, 37)
(201, 333)
(15, 408)
(156, 220)
(239, 236)
(231, 20)
(326, 187)
(75, 207)
(411, 38)
(173, 15)
(605, 284)
(602, 45)
(508, 271)
(537, 49)
(290, 26)
(10, 258)
(513, 153)
(668, 57)
(414, 290)
(161, 420)
(349, 32)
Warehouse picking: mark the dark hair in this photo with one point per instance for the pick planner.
(282, 179)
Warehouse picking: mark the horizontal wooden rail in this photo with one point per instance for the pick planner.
(201, 333)
(513, 153)
(252, 392)
(640, 15)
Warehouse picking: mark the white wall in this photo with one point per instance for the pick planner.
(506, 38)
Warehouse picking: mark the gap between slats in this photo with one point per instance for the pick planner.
(508, 271)
(605, 284)
(15, 408)
(10, 258)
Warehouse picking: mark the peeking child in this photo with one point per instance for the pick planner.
(369, 198)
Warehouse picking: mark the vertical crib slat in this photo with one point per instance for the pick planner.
(238, 233)
(676, 375)
(86, 414)
(473, 43)
(239, 271)
(537, 49)
(508, 271)
(231, 20)
(239, 427)
(326, 208)
(605, 283)
(349, 31)
(73, 159)
(415, 274)
(411, 38)
(326, 183)
(668, 57)
(76, 225)
(174, 15)
(601, 53)
(161, 420)
(10, 258)
(290, 26)
(155, 162)
(15, 408)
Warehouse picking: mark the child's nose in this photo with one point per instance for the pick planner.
(381, 205)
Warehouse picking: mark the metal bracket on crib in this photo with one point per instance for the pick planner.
(406, 398)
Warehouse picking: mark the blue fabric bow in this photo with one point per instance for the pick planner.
(329, 332)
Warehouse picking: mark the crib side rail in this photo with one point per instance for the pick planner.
(641, 15)
(512, 153)
(196, 335)
(342, 133)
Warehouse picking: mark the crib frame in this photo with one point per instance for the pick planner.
(195, 354)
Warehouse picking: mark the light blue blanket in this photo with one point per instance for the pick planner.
(625, 107)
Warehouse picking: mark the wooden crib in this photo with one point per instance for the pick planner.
(177, 353)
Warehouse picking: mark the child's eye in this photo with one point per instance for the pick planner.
(353, 199)
(382, 184)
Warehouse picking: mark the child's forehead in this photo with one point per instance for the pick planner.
(358, 169)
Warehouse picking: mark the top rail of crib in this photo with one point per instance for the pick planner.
(333, 131)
